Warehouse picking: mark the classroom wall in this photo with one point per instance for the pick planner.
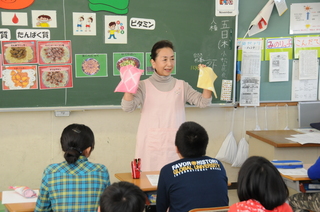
(30, 140)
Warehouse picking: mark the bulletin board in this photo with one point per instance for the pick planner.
(278, 26)
(197, 34)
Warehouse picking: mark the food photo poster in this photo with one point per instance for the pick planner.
(19, 77)
(53, 77)
(91, 65)
(135, 59)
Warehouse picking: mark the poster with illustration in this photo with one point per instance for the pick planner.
(14, 19)
(91, 65)
(84, 24)
(19, 77)
(304, 18)
(44, 18)
(53, 77)
(226, 7)
(135, 59)
(116, 29)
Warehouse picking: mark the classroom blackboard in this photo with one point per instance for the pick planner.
(197, 34)
(278, 26)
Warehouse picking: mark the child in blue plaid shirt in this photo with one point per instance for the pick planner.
(75, 184)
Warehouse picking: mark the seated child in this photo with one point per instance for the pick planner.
(74, 184)
(122, 197)
(194, 181)
(260, 187)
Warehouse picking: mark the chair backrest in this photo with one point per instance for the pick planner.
(214, 209)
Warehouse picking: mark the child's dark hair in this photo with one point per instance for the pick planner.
(191, 140)
(159, 45)
(44, 16)
(259, 179)
(74, 139)
(112, 23)
(122, 196)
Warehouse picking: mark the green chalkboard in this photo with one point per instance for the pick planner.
(197, 34)
(278, 26)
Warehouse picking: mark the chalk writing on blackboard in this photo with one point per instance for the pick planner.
(198, 58)
(224, 43)
(213, 26)
(224, 64)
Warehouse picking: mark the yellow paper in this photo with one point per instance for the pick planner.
(206, 79)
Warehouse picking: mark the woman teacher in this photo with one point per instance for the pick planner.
(162, 99)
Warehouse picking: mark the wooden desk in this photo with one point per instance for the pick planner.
(213, 209)
(143, 182)
(20, 207)
(293, 181)
(272, 144)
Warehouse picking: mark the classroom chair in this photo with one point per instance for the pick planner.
(213, 209)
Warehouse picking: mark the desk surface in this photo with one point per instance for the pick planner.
(143, 182)
(296, 177)
(299, 177)
(19, 207)
(277, 138)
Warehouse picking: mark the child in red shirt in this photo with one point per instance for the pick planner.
(260, 187)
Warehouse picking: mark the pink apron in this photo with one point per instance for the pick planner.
(161, 116)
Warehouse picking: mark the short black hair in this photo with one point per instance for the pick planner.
(160, 45)
(259, 179)
(122, 197)
(74, 139)
(191, 140)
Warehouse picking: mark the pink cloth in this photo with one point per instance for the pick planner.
(161, 116)
(130, 77)
(24, 191)
(254, 206)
